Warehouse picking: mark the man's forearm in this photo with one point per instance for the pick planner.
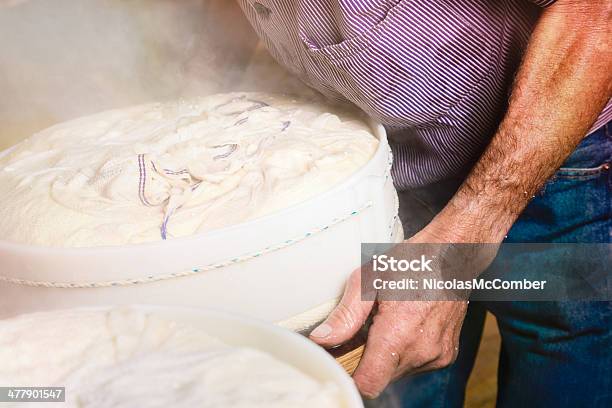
(561, 87)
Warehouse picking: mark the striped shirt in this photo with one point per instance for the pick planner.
(436, 73)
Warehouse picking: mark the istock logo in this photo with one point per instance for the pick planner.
(384, 263)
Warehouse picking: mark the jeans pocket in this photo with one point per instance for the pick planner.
(578, 173)
(574, 206)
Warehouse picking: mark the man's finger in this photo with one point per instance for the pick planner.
(347, 318)
(381, 357)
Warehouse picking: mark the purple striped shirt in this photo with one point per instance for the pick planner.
(435, 73)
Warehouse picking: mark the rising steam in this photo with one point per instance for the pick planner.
(61, 59)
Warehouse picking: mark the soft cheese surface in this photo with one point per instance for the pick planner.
(128, 358)
(166, 170)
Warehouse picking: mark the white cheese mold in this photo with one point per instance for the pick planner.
(232, 330)
(288, 267)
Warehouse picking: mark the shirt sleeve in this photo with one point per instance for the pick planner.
(543, 3)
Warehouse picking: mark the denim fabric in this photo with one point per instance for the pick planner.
(553, 354)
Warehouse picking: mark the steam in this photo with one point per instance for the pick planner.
(11, 3)
(61, 59)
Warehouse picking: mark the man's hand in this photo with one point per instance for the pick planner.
(404, 336)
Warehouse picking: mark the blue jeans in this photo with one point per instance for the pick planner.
(553, 354)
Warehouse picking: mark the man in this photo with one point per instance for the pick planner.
(438, 75)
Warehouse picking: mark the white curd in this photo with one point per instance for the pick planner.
(128, 358)
(167, 170)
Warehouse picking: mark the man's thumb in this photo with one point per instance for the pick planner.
(347, 318)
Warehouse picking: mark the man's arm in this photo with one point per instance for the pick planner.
(562, 85)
